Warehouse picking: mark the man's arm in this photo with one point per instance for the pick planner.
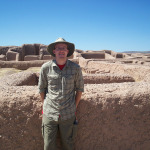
(79, 86)
(42, 94)
(42, 85)
(78, 97)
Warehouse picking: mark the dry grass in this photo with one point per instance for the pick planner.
(34, 69)
(9, 71)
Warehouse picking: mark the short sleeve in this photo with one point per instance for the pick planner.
(79, 82)
(42, 84)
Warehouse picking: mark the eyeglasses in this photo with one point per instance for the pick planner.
(61, 49)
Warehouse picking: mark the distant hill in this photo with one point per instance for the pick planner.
(136, 52)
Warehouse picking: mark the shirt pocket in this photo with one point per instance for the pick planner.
(53, 81)
(69, 79)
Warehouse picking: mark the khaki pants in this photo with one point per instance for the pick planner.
(67, 131)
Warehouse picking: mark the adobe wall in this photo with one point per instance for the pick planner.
(106, 78)
(136, 71)
(26, 52)
(114, 117)
(23, 65)
(93, 55)
(111, 116)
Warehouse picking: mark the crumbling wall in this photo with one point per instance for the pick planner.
(119, 55)
(31, 58)
(114, 117)
(20, 79)
(28, 49)
(12, 51)
(2, 57)
(4, 49)
(37, 48)
(136, 71)
(23, 65)
(12, 56)
(20, 122)
(111, 116)
(106, 78)
(93, 55)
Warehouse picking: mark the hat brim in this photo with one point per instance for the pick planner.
(70, 47)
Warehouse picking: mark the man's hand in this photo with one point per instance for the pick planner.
(42, 96)
(78, 97)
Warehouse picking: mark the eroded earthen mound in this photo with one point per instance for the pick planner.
(106, 78)
(20, 79)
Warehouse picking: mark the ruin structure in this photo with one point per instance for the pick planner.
(113, 113)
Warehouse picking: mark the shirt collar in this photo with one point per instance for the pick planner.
(54, 64)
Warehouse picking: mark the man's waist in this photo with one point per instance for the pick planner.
(60, 101)
(59, 115)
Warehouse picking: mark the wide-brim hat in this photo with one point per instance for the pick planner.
(70, 46)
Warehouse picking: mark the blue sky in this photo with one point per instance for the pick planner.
(119, 25)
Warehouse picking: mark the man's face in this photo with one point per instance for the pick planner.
(61, 50)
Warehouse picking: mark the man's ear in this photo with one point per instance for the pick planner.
(54, 51)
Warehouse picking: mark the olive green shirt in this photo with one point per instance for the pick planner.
(62, 86)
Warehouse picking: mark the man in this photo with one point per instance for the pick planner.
(64, 81)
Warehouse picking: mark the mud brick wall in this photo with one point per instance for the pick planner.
(111, 116)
